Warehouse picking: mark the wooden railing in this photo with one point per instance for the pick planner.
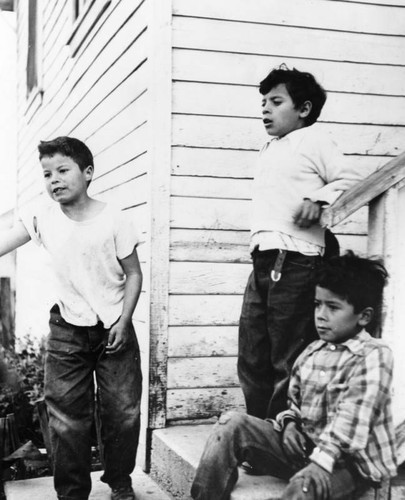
(364, 192)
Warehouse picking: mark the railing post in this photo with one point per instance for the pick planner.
(386, 239)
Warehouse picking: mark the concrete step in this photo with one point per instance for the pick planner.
(42, 488)
(176, 452)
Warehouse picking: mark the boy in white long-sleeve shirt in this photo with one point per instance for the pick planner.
(299, 171)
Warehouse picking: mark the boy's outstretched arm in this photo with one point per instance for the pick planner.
(13, 238)
(119, 333)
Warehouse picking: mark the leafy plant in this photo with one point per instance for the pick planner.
(22, 384)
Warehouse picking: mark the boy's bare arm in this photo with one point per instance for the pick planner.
(118, 336)
(13, 238)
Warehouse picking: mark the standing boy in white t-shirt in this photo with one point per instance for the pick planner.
(93, 252)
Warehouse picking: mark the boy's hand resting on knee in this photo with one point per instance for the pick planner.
(294, 444)
(118, 337)
(308, 213)
(313, 476)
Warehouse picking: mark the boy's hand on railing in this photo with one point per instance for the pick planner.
(294, 444)
(308, 213)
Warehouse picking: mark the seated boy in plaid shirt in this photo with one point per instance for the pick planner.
(337, 437)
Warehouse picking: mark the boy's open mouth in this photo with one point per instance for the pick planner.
(266, 121)
(57, 190)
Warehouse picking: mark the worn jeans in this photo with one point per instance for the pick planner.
(75, 355)
(237, 438)
(276, 324)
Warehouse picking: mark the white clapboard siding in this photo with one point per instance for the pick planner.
(186, 341)
(131, 145)
(211, 245)
(201, 372)
(203, 310)
(330, 15)
(202, 402)
(127, 171)
(249, 69)
(208, 278)
(211, 34)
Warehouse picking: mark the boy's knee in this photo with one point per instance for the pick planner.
(231, 422)
(232, 418)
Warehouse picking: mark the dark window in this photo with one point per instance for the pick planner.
(78, 7)
(32, 59)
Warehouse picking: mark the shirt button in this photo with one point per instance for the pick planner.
(322, 373)
(332, 347)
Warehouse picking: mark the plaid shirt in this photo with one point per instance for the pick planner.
(341, 396)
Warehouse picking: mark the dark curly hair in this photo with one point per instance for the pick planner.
(357, 280)
(300, 85)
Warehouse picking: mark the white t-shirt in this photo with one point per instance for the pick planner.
(84, 255)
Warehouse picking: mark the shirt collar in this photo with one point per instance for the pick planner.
(355, 344)
(295, 137)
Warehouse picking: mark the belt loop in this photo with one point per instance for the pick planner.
(278, 265)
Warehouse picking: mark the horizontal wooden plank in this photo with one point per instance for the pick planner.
(233, 246)
(195, 33)
(120, 175)
(390, 3)
(201, 277)
(204, 310)
(209, 245)
(211, 187)
(213, 162)
(319, 14)
(245, 101)
(123, 150)
(129, 194)
(240, 164)
(203, 403)
(201, 372)
(247, 133)
(250, 69)
(206, 213)
(205, 341)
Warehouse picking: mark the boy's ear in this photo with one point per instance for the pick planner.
(306, 109)
(366, 316)
(88, 172)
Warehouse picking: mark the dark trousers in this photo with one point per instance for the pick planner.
(237, 438)
(75, 357)
(276, 324)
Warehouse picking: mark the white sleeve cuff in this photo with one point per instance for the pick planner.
(322, 459)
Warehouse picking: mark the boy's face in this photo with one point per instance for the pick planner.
(64, 180)
(335, 318)
(280, 117)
